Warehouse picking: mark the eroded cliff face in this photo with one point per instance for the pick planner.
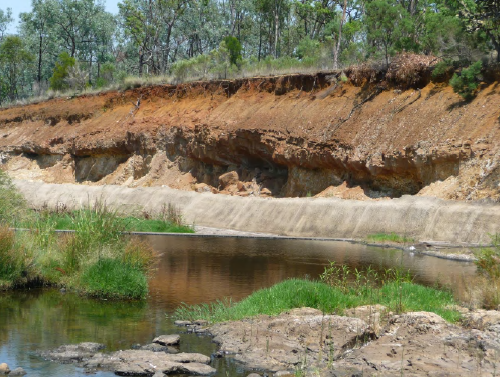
(291, 135)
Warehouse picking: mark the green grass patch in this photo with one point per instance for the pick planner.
(296, 293)
(113, 278)
(389, 237)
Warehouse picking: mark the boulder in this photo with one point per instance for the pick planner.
(4, 369)
(73, 352)
(18, 372)
(227, 179)
(167, 340)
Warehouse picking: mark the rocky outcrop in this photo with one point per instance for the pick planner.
(294, 135)
(411, 344)
(145, 361)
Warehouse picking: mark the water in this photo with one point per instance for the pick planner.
(191, 270)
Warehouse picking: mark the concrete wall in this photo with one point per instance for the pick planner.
(425, 219)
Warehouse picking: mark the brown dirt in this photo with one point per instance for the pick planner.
(284, 136)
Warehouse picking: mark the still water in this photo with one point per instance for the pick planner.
(191, 270)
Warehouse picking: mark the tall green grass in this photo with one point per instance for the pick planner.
(96, 259)
(390, 237)
(296, 293)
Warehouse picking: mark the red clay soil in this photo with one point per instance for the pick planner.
(293, 135)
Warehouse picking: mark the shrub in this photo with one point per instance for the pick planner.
(13, 206)
(10, 263)
(441, 71)
(61, 70)
(408, 69)
(114, 278)
(467, 82)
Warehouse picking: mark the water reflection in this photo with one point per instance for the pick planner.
(191, 270)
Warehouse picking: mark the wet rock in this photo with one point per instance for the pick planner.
(167, 340)
(73, 352)
(18, 372)
(155, 347)
(254, 375)
(4, 369)
(227, 179)
(182, 323)
(140, 363)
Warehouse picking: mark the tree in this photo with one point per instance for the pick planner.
(14, 60)
(61, 71)
(38, 24)
(387, 23)
(234, 47)
(5, 20)
(483, 15)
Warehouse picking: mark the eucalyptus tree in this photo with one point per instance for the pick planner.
(149, 25)
(5, 20)
(37, 30)
(15, 63)
(483, 16)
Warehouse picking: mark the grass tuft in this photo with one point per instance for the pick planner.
(296, 293)
(390, 237)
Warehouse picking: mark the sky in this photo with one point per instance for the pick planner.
(20, 6)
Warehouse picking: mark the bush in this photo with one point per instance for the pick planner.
(408, 69)
(10, 264)
(13, 207)
(114, 278)
(467, 82)
(61, 71)
(441, 71)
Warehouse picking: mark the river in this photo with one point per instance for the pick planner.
(191, 270)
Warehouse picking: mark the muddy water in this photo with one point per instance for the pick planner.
(191, 270)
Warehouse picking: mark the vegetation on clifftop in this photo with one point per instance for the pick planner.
(77, 45)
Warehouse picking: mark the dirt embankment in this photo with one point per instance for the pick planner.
(294, 135)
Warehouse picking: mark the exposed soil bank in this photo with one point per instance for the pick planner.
(286, 136)
(421, 218)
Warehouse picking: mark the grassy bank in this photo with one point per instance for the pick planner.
(389, 238)
(398, 295)
(97, 259)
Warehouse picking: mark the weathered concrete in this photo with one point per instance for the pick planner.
(422, 218)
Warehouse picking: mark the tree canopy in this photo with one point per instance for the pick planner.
(214, 38)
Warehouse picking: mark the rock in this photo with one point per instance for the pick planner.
(155, 347)
(265, 192)
(482, 319)
(182, 323)
(4, 369)
(167, 340)
(202, 187)
(18, 372)
(283, 373)
(254, 375)
(227, 179)
(201, 322)
(139, 362)
(241, 186)
(73, 352)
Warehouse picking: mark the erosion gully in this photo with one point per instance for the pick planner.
(191, 270)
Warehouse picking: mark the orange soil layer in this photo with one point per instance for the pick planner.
(282, 136)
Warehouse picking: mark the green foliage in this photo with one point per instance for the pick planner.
(297, 293)
(390, 237)
(233, 45)
(441, 70)
(488, 261)
(112, 278)
(13, 207)
(11, 265)
(467, 82)
(61, 72)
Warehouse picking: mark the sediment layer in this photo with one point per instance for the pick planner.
(287, 136)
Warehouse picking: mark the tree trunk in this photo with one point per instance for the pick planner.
(39, 75)
(339, 38)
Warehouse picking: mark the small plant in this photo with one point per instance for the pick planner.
(390, 237)
(467, 82)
